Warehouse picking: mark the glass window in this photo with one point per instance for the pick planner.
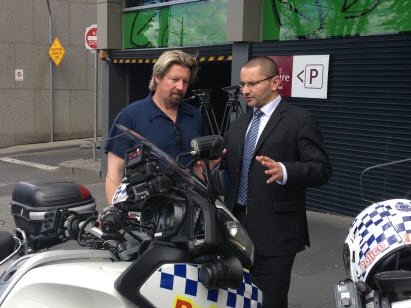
(185, 24)
(137, 3)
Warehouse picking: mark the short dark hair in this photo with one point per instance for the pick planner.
(267, 65)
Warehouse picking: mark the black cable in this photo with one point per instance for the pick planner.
(82, 230)
(184, 154)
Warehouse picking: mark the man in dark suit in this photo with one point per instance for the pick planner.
(268, 174)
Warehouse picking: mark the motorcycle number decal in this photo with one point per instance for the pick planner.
(121, 194)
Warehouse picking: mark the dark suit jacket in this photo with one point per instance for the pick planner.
(276, 216)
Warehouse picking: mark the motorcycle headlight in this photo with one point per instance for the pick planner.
(240, 241)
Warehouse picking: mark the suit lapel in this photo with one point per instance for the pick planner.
(272, 123)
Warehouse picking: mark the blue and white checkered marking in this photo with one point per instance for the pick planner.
(121, 194)
(385, 224)
(182, 279)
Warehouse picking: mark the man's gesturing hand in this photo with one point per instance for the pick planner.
(274, 169)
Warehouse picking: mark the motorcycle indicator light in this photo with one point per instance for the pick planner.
(240, 241)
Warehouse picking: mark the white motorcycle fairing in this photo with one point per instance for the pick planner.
(64, 278)
(80, 278)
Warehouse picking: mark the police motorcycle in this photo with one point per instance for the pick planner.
(377, 250)
(167, 241)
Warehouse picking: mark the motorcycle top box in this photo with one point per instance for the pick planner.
(32, 199)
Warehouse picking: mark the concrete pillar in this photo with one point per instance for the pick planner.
(109, 24)
(244, 20)
(114, 99)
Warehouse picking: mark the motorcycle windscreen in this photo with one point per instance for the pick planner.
(183, 176)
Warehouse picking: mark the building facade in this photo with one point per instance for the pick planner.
(28, 114)
(365, 115)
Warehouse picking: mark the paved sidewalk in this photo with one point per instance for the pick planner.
(46, 146)
(315, 270)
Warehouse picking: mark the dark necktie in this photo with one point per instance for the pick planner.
(249, 147)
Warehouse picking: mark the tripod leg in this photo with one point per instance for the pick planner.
(226, 126)
(227, 108)
(215, 121)
(209, 121)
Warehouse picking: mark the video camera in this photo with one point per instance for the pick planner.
(208, 147)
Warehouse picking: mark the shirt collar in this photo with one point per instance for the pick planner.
(155, 112)
(270, 107)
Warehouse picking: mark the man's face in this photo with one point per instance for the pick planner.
(261, 93)
(172, 87)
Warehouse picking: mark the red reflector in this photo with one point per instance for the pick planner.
(85, 193)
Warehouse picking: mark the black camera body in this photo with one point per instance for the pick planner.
(208, 147)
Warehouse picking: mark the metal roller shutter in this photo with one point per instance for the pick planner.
(205, 53)
(366, 119)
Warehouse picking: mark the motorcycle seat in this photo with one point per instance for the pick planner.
(394, 281)
(6, 245)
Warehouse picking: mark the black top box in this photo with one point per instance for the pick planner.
(31, 199)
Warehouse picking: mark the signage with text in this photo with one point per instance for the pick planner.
(90, 38)
(56, 52)
(303, 76)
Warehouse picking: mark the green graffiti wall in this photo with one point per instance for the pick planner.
(193, 24)
(311, 19)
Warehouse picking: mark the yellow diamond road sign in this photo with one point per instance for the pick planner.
(56, 52)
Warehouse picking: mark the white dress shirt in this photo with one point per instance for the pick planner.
(267, 112)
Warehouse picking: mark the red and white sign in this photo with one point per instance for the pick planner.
(303, 76)
(90, 38)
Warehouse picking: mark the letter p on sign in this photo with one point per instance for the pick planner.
(314, 76)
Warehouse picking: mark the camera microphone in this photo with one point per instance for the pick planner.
(189, 99)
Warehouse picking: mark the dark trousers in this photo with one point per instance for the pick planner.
(273, 273)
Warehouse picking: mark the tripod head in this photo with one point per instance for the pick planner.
(232, 106)
(203, 95)
(233, 92)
